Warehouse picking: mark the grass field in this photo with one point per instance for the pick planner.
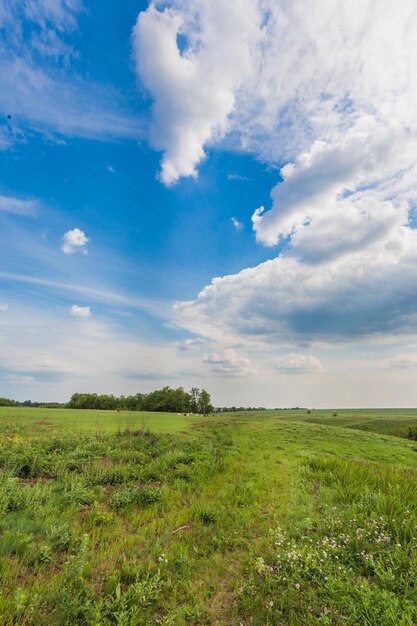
(240, 519)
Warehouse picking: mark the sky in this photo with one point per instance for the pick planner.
(210, 194)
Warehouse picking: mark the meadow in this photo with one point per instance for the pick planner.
(269, 518)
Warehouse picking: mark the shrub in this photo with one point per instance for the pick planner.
(412, 433)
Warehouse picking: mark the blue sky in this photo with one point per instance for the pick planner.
(200, 194)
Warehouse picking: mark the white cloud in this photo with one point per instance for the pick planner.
(4, 308)
(228, 363)
(320, 91)
(238, 225)
(111, 169)
(297, 364)
(330, 103)
(402, 361)
(80, 311)
(285, 300)
(194, 89)
(357, 183)
(192, 345)
(75, 241)
(18, 206)
(323, 97)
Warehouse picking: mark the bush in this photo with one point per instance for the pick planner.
(412, 433)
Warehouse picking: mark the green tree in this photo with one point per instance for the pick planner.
(194, 399)
(204, 402)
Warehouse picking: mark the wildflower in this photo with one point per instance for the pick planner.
(271, 604)
(297, 586)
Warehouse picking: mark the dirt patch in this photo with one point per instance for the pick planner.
(42, 423)
(85, 511)
(35, 480)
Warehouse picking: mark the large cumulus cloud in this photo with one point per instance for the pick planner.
(286, 300)
(327, 94)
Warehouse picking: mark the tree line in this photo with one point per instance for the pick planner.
(239, 409)
(165, 400)
(45, 405)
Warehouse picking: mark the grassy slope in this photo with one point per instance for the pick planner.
(389, 421)
(280, 472)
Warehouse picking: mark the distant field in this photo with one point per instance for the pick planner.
(92, 421)
(388, 421)
(270, 518)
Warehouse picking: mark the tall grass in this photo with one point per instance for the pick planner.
(351, 560)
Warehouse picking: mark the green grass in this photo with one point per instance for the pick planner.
(282, 518)
(91, 421)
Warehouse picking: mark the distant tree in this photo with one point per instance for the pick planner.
(204, 402)
(194, 399)
(7, 402)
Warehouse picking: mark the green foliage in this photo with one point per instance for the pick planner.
(412, 433)
(166, 399)
(130, 606)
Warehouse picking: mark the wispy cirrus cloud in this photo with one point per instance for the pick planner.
(235, 222)
(157, 307)
(42, 88)
(19, 206)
